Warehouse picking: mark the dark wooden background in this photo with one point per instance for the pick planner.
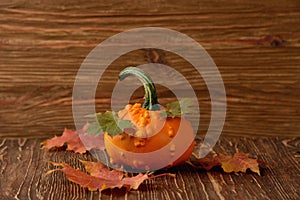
(255, 44)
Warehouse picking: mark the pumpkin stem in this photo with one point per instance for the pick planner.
(151, 102)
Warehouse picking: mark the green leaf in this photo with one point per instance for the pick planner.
(178, 108)
(124, 124)
(94, 129)
(109, 122)
(163, 114)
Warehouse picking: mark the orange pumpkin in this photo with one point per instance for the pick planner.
(156, 142)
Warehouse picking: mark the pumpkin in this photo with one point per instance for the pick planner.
(155, 142)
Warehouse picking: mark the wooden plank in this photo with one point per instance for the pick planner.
(23, 166)
(255, 45)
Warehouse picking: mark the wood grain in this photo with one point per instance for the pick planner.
(23, 166)
(255, 45)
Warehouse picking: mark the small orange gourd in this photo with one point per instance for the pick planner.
(156, 142)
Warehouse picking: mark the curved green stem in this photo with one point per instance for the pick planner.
(151, 102)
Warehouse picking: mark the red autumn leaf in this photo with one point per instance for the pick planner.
(76, 141)
(68, 137)
(100, 177)
(240, 162)
(99, 170)
(91, 141)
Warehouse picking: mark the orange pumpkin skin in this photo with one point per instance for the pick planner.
(119, 146)
(156, 142)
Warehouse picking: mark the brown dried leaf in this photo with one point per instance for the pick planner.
(100, 177)
(76, 141)
(240, 162)
(208, 163)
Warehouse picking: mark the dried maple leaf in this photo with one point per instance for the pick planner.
(100, 177)
(76, 141)
(240, 162)
(208, 163)
(97, 169)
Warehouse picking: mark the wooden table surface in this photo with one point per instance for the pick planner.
(24, 165)
(255, 44)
